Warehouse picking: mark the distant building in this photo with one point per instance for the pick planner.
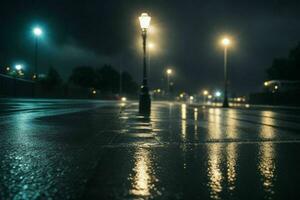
(281, 86)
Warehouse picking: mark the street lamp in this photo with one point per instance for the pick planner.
(169, 73)
(205, 93)
(37, 33)
(18, 71)
(145, 101)
(225, 42)
(18, 67)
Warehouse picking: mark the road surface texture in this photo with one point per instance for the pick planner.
(79, 149)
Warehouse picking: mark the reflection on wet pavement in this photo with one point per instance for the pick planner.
(105, 150)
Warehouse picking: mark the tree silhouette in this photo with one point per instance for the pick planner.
(52, 80)
(286, 68)
(84, 76)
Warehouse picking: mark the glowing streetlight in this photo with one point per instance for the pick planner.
(266, 83)
(205, 93)
(218, 94)
(226, 43)
(18, 67)
(123, 99)
(169, 73)
(37, 31)
(145, 101)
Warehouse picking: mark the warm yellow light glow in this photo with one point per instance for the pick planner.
(169, 71)
(151, 46)
(181, 95)
(94, 92)
(205, 92)
(158, 90)
(276, 87)
(226, 42)
(123, 99)
(266, 83)
(145, 21)
(191, 97)
(209, 96)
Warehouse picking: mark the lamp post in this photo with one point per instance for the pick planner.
(225, 43)
(169, 73)
(145, 101)
(205, 93)
(18, 70)
(37, 33)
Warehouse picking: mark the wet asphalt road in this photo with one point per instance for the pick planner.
(79, 149)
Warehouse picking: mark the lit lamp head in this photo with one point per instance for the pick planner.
(144, 21)
(218, 94)
(37, 31)
(225, 42)
(205, 92)
(169, 71)
(266, 83)
(18, 67)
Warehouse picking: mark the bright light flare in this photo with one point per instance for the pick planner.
(123, 99)
(145, 21)
(266, 83)
(226, 42)
(151, 46)
(218, 94)
(169, 71)
(205, 92)
(19, 67)
(37, 31)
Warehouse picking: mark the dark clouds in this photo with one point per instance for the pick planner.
(95, 32)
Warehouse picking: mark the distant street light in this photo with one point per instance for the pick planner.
(37, 33)
(218, 94)
(225, 42)
(145, 101)
(169, 73)
(18, 67)
(205, 93)
(18, 71)
(266, 83)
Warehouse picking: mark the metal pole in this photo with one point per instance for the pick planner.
(168, 79)
(144, 35)
(35, 76)
(145, 102)
(225, 103)
(36, 57)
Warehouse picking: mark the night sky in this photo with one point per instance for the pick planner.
(186, 35)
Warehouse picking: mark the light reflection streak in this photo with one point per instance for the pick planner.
(267, 167)
(143, 180)
(231, 165)
(196, 122)
(183, 121)
(214, 171)
(214, 125)
(231, 124)
(267, 120)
